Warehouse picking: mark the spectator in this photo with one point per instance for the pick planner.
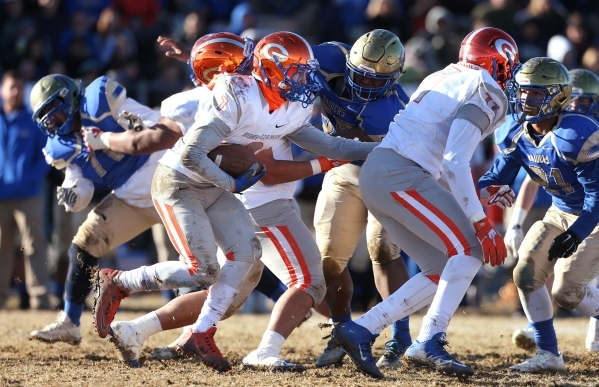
(578, 32)
(590, 59)
(496, 13)
(22, 173)
(562, 50)
(110, 31)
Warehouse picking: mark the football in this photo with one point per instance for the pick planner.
(234, 159)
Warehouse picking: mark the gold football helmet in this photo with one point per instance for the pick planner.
(550, 82)
(585, 88)
(63, 95)
(374, 64)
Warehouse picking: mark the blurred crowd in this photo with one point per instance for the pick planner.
(88, 38)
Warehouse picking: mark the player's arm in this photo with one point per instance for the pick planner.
(337, 148)
(588, 176)
(285, 171)
(163, 135)
(76, 191)
(513, 232)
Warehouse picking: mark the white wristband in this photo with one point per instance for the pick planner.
(477, 216)
(316, 167)
(518, 216)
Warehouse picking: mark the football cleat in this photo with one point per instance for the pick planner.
(263, 359)
(60, 330)
(332, 354)
(592, 340)
(542, 361)
(127, 341)
(391, 359)
(166, 353)
(357, 342)
(525, 339)
(431, 353)
(108, 298)
(201, 346)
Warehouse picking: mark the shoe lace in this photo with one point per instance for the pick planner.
(209, 341)
(442, 343)
(331, 344)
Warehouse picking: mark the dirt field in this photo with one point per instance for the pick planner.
(481, 341)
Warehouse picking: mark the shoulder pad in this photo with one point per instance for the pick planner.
(576, 138)
(331, 57)
(508, 134)
(101, 98)
(401, 93)
(60, 151)
(230, 97)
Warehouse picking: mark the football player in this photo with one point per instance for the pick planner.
(62, 110)
(585, 88)
(444, 230)
(558, 151)
(359, 97)
(258, 111)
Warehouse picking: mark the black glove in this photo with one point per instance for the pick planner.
(564, 245)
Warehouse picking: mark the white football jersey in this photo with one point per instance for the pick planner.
(237, 102)
(182, 107)
(420, 131)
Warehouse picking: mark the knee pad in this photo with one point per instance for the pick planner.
(381, 251)
(317, 292)
(206, 276)
(568, 295)
(524, 277)
(332, 268)
(79, 277)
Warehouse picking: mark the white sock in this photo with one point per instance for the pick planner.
(161, 276)
(455, 280)
(219, 298)
(590, 303)
(272, 341)
(147, 325)
(537, 304)
(412, 296)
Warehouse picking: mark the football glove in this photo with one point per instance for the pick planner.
(67, 196)
(248, 178)
(96, 139)
(564, 245)
(513, 239)
(494, 249)
(501, 196)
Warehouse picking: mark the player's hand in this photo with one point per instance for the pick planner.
(494, 249)
(328, 164)
(179, 52)
(564, 245)
(501, 196)
(67, 196)
(513, 239)
(95, 139)
(249, 178)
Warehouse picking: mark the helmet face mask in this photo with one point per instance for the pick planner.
(284, 62)
(373, 66)
(544, 90)
(219, 53)
(585, 88)
(55, 102)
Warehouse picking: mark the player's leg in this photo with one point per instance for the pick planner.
(530, 275)
(298, 265)
(339, 220)
(390, 272)
(128, 336)
(8, 230)
(29, 218)
(109, 224)
(430, 226)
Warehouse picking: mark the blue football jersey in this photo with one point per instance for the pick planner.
(563, 162)
(339, 112)
(98, 109)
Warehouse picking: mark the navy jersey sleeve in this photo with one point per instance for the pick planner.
(588, 176)
(503, 172)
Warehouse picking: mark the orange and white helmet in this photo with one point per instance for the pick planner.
(218, 53)
(284, 61)
(494, 50)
